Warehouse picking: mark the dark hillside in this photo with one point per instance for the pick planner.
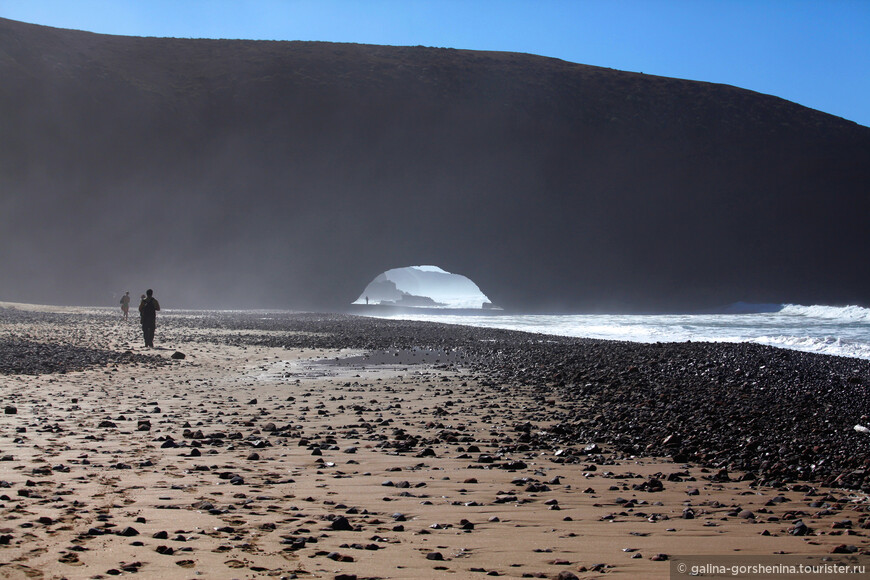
(251, 173)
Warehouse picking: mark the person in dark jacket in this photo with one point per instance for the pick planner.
(148, 308)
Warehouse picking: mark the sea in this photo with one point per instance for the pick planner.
(832, 330)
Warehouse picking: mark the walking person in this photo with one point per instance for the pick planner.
(125, 304)
(148, 308)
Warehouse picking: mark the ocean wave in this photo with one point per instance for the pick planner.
(832, 330)
(844, 313)
(824, 345)
(749, 308)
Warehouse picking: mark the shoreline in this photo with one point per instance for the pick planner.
(264, 456)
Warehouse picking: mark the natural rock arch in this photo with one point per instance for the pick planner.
(423, 286)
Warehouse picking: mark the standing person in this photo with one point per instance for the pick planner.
(148, 308)
(125, 304)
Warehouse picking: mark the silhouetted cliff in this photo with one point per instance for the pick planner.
(252, 173)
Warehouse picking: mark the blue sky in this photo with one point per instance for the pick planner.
(813, 52)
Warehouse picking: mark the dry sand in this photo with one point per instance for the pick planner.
(249, 462)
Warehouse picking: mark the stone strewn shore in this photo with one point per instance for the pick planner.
(327, 446)
(36, 343)
(779, 415)
(36, 358)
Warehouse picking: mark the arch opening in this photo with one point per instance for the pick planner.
(424, 287)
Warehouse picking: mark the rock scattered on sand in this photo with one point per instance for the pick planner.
(207, 465)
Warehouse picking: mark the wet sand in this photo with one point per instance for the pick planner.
(246, 459)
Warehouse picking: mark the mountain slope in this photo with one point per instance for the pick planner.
(252, 173)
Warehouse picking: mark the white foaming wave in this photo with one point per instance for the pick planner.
(566, 325)
(839, 331)
(827, 345)
(845, 313)
(465, 302)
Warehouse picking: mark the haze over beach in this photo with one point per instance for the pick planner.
(562, 290)
(240, 174)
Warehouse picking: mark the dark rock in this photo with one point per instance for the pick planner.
(514, 465)
(341, 523)
(537, 487)
(799, 529)
(132, 566)
(654, 485)
(721, 476)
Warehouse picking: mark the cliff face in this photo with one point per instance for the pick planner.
(288, 174)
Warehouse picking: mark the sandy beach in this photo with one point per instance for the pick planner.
(257, 445)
